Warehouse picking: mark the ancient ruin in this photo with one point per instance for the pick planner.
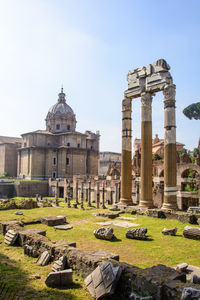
(144, 82)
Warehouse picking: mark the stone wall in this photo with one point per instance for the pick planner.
(30, 188)
(6, 190)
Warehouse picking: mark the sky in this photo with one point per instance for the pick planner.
(88, 46)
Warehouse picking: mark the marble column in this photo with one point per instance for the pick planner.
(170, 185)
(146, 200)
(126, 164)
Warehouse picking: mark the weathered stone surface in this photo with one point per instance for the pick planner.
(137, 233)
(107, 215)
(44, 259)
(4, 225)
(104, 233)
(10, 237)
(53, 221)
(59, 264)
(127, 218)
(30, 251)
(59, 279)
(171, 231)
(25, 235)
(134, 296)
(187, 218)
(190, 293)
(195, 279)
(84, 262)
(193, 209)
(191, 232)
(63, 227)
(182, 267)
(103, 280)
(19, 213)
(122, 224)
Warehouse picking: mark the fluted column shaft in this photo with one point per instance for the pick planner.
(146, 200)
(170, 185)
(126, 164)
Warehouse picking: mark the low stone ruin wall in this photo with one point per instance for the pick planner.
(31, 188)
(159, 281)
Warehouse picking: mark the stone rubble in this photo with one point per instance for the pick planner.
(63, 227)
(181, 267)
(103, 280)
(137, 233)
(190, 293)
(195, 279)
(53, 221)
(30, 251)
(134, 296)
(104, 233)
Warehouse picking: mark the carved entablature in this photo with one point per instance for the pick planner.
(152, 78)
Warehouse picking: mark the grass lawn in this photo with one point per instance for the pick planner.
(19, 270)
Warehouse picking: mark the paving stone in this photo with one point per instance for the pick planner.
(171, 231)
(190, 293)
(63, 227)
(118, 223)
(10, 237)
(103, 280)
(53, 221)
(44, 259)
(59, 279)
(127, 218)
(104, 233)
(59, 264)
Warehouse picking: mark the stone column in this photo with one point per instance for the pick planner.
(89, 194)
(103, 196)
(146, 200)
(77, 191)
(98, 195)
(126, 164)
(170, 188)
(116, 193)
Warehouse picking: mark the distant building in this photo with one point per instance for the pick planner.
(108, 160)
(58, 151)
(8, 155)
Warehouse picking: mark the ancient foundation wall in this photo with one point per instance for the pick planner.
(30, 188)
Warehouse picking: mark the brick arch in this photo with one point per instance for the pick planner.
(181, 168)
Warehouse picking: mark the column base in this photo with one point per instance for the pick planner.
(146, 204)
(169, 206)
(125, 202)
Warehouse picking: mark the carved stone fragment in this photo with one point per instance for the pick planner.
(190, 293)
(59, 279)
(171, 231)
(104, 233)
(44, 259)
(195, 279)
(181, 267)
(191, 232)
(53, 221)
(10, 237)
(137, 233)
(59, 264)
(63, 227)
(30, 251)
(103, 280)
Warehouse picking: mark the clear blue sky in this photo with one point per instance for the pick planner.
(89, 46)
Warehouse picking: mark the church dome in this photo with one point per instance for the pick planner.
(60, 117)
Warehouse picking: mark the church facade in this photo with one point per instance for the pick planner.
(59, 151)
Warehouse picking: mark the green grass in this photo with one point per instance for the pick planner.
(17, 269)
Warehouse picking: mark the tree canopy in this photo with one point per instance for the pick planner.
(192, 111)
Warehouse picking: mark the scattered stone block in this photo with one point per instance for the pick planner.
(30, 251)
(190, 293)
(53, 221)
(10, 237)
(195, 279)
(181, 267)
(44, 259)
(171, 231)
(127, 218)
(59, 264)
(103, 280)
(191, 232)
(104, 233)
(59, 279)
(137, 233)
(63, 227)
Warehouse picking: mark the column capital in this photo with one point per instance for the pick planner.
(146, 99)
(169, 92)
(127, 104)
